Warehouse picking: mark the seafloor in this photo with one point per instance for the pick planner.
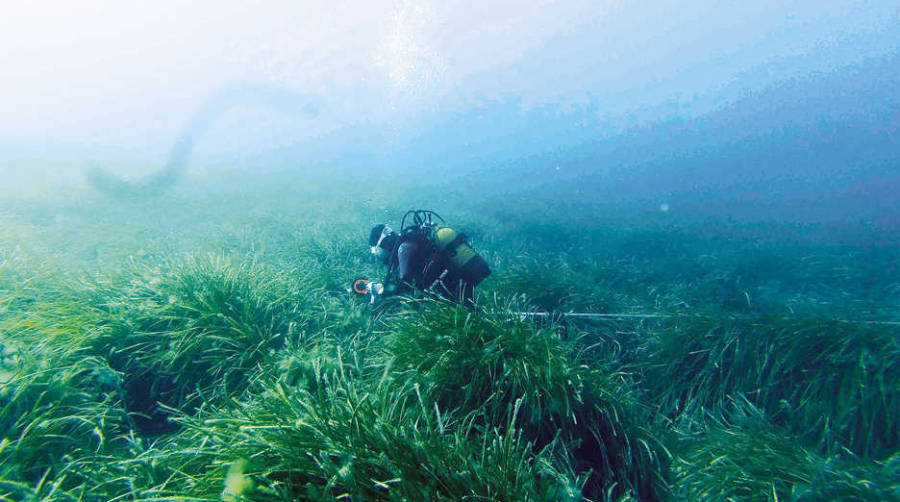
(202, 345)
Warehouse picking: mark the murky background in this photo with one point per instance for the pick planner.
(186, 190)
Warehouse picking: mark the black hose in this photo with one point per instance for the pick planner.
(180, 154)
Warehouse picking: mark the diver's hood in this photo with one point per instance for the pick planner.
(378, 233)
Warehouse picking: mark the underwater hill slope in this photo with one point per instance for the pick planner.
(816, 150)
(844, 110)
(229, 344)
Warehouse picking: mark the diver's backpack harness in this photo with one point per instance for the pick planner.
(454, 253)
(450, 250)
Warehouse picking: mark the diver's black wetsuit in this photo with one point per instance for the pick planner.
(412, 254)
(418, 265)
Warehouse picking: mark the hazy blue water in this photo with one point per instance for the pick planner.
(784, 111)
(700, 162)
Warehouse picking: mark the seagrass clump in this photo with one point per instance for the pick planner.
(831, 383)
(484, 363)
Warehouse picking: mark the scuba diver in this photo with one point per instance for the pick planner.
(427, 256)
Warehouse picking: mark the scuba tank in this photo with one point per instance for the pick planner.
(461, 260)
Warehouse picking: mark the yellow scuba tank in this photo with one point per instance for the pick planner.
(460, 258)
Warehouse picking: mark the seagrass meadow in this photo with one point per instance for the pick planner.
(202, 345)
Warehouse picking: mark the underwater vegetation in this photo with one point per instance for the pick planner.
(206, 348)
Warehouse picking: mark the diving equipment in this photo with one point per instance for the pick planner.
(363, 286)
(425, 255)
(460, 258)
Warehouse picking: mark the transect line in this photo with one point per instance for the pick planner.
(590, 315)
(884, 323)
(595, 315)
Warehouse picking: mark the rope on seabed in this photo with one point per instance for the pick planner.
(595, 315)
